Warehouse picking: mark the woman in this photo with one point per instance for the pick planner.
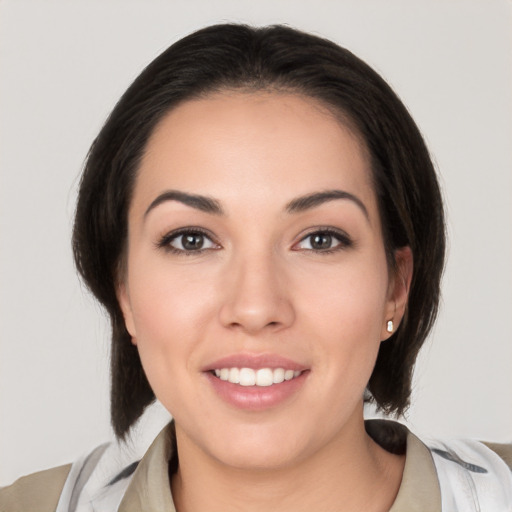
(262, 221)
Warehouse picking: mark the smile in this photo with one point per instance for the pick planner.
(256, 382)
(262, 377)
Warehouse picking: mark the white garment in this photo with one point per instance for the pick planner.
(472, 478)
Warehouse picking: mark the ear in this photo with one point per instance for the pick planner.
(123, 297)
(398, 291)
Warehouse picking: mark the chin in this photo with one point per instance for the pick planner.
(260, 457)
(258, 446)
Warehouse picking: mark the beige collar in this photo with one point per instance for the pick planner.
(419, 490)
(149, 488)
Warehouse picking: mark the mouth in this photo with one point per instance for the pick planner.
(261, 377)
(256, 382)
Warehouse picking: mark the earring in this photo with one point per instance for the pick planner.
(389, 326)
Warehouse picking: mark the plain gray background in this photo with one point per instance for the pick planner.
(63, 66)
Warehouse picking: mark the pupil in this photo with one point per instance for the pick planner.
(193, 242)
(321, 241)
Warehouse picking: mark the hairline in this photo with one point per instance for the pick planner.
(344, 119)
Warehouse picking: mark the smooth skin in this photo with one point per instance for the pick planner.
(249, 272)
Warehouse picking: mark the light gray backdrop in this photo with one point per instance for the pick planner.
(64, 64)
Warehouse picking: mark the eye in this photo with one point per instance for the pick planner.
(187, 241)
(325, 240)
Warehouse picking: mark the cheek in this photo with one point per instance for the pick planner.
(353, 300)
(167, 300)
(171, 312)
(345, 312)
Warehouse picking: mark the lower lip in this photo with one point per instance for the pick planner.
(256, 398)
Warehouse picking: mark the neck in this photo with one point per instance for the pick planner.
(350, 473)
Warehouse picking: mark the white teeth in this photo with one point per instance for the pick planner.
(234, 375)
(262, 377)
(278, 376)
(247, 377)
(288, 375)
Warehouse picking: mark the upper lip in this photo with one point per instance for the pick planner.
(254, 361)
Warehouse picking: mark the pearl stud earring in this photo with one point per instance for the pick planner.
(389, 326)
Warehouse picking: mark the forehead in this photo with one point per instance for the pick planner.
(265, 144)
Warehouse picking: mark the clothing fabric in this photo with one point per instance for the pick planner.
(38, 492)
(455, 476)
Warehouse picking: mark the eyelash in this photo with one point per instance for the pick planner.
(166, 240)
(344, 241)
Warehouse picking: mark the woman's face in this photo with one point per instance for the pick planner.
(255, 254)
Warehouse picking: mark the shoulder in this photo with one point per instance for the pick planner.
(462, 451)
(504, 451)
(38, 492)
(98, 478)
(44, 491)
(473, 475)
(456, 474)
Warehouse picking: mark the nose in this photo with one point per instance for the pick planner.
(256, 296)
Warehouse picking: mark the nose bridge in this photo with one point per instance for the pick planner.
(256, 293)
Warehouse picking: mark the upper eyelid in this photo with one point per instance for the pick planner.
(323, 229)
(173, 233)
(342, 236)
(170, 235)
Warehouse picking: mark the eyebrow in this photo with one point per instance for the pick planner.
(297, 205)
(202, 203)
(309, 201)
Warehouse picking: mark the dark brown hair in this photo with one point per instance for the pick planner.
(230, 57)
